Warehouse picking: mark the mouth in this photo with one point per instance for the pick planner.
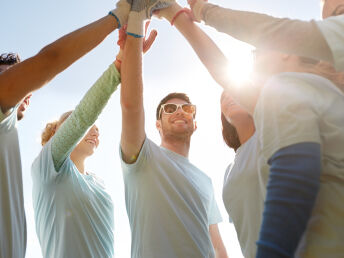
(179, 121)
(91, 141)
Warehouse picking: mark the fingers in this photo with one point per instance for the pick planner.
(147, 43)
(146, 26)
(122, 36)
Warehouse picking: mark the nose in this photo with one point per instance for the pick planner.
(94, 131)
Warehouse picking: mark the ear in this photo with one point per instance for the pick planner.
(195, 125)
(158, 125)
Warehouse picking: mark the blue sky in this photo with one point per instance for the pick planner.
(169, 66)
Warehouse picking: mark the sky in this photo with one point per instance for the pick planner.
(169, 66)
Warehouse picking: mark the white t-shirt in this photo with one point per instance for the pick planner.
(170, 205)
(332, 29)
(12, 214)
(299, 107)
(244, 193)
(73, 212)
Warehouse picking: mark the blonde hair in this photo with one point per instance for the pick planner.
(51, 128)
(323, 69)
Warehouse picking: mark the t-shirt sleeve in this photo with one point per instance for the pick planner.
(214, 215)
(298, 37)
(43, 169)
(141, 159)
(333, 31)
(8, 121)
(286, 114)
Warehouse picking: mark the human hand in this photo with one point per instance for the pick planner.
(121, 12)
(122, 36)
(142, 10)
(197, 8)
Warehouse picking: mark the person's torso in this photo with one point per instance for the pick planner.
(73, 213)
(168, 201)
(12, 214)
(243, 195)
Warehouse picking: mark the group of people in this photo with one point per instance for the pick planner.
(283, 191)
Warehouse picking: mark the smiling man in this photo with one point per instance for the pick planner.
(170, 202)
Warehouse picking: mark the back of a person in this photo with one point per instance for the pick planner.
(319, 109)
(73, 212)
(325, 232)
(12, 214)
(168, 202)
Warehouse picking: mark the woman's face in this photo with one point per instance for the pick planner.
(231, 110)
(89, 143)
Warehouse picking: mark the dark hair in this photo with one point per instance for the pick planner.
(9, 59)
(173, 95)
(229, 134)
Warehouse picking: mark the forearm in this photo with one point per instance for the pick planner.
(84, 115)
(207, 51)
(262, 31)
(211, 56)
(33, 73)
(291, 193)
(133, 133)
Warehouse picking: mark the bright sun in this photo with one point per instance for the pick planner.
(240, 63)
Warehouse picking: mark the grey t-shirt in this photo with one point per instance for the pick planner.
(170, 205)
(12, 214)
(244, 191)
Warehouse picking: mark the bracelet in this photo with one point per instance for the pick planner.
(184, 10)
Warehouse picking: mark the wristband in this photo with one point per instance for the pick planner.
(184, 10)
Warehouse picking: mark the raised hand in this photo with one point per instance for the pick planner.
(122, 36)
(196, 8)
(121, 12)
(142, 10)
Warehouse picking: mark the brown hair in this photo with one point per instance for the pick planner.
(9, 59)
(173, 95)
(323, 69)
(51, 127)
(230, 134)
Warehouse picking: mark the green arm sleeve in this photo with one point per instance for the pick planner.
(84, 116)
(297, 37)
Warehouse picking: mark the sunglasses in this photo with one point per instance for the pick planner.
(170, 108)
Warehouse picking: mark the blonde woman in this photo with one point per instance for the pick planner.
(73, 210)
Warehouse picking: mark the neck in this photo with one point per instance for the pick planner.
(79, 162)
(245, 130)
(180, 146)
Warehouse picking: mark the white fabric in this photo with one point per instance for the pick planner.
(299, 107)
(243, 195)
(170, 205)
(332, 29)
(12, 214)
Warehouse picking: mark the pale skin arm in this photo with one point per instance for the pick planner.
(211, 56)
(34, 72)
(133, 120)
(217, 242)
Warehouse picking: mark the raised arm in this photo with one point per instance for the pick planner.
(302, 38)
(84, 115)
(34, 72)
(133, 120)
(210, 55)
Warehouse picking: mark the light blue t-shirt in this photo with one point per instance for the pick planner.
(12, 214)
(73, 212)
(170, 205)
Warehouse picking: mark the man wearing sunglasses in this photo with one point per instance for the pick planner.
(170, 202)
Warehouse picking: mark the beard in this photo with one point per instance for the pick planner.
(170, 134)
